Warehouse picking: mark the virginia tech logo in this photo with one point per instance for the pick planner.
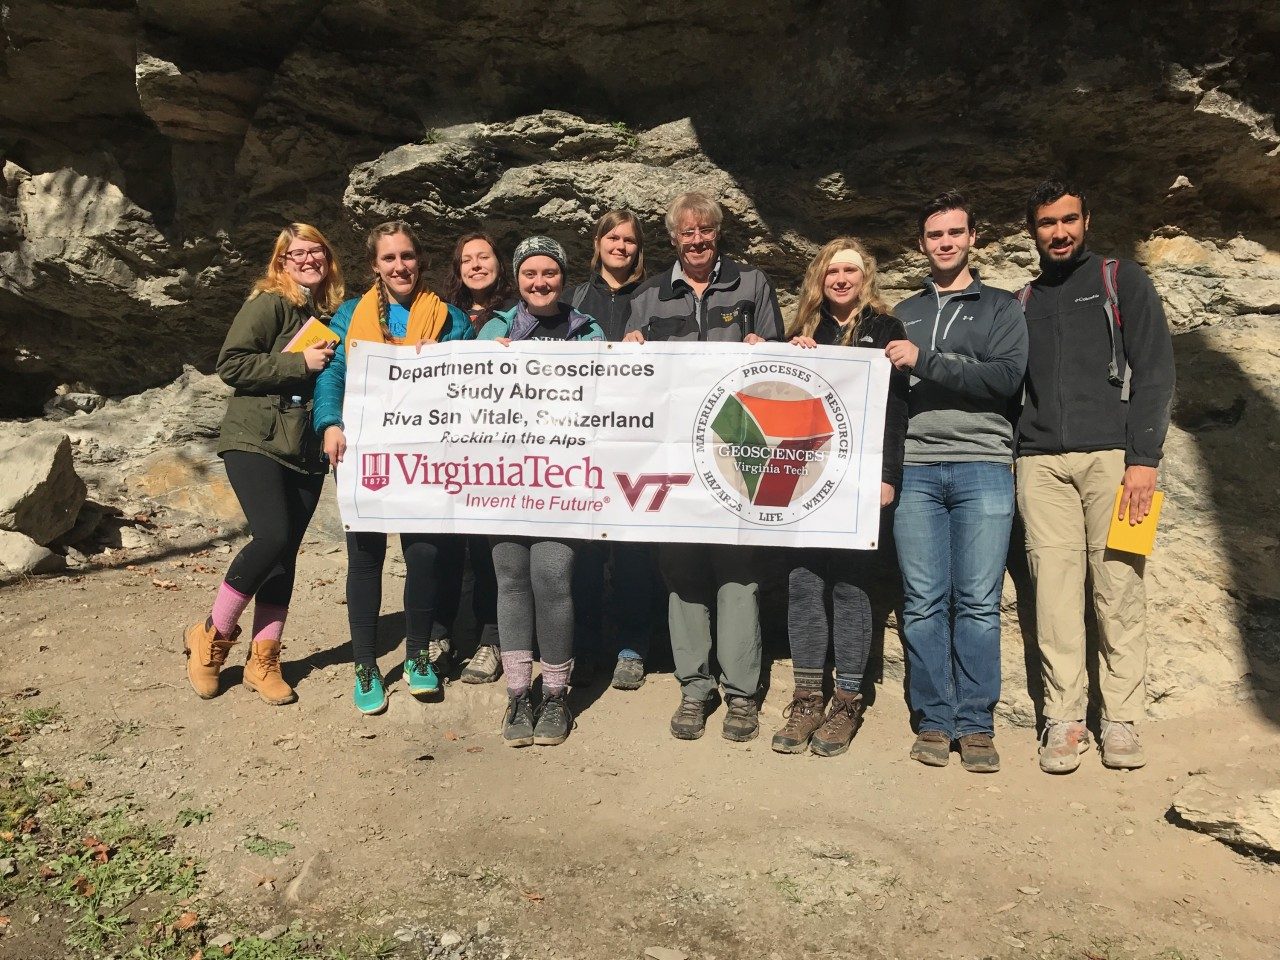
(777, 447)
(661, 482)
(375, 470)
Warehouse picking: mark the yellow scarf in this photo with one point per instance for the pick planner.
(427, 317)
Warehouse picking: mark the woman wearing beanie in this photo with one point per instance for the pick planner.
(617, 269)
(273, 463)
(840, 305)
(398, 308)
(479, 282)
(535, 574)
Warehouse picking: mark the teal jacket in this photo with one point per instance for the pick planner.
(332, 382)
(517, 323)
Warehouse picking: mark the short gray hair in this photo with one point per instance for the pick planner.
(704, 209)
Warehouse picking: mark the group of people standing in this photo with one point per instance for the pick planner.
(1056, 397)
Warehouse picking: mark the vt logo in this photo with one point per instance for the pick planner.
(634, 489)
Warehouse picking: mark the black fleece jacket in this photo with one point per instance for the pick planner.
(1070, 404)
(875, 331)
(608, 307)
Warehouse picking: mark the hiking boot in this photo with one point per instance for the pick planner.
(438, 651)
(517, 723)
(1120, 747)
(485, 665)
(932, 748)
(803, 715)
(370, 692)
(741, 719)
(262, 673)
(554, 721)
(978, 753)
(844, 717)
(690, 719)
(420, 676)
(628, 674)
(206, 651)
(1061, 745)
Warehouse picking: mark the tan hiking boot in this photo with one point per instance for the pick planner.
(1061, 745)
(206, 651)
(803, 715)
(978, 753)
(932, 748)
(844, 717)
(1121, 749)
(262, 673)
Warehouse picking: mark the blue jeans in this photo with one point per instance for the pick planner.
(952, 529)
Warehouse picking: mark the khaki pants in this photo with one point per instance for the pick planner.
(1066, 502)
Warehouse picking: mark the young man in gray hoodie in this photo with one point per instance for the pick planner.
(967, 353)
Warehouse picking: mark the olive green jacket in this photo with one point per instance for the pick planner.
(270, 412)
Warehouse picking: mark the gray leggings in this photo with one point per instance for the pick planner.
(813, 572)
(535, 579)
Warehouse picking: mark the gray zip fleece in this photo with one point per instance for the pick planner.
(964, 386)
(739, 300)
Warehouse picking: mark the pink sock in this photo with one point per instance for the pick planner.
(517, 666)
(228, 605)
(555, 677)
(268, 621)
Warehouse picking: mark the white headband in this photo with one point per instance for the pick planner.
(848, 256)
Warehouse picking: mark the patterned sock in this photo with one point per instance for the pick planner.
(228, 605)
(517, 667)
(555, 677)
(808, 680)
(268, 621)
(849, 682)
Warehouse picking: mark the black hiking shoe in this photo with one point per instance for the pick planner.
(628, 674)
(554, 721)
(517, 724)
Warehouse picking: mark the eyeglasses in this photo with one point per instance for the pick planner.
(698, 233)
(301, 256)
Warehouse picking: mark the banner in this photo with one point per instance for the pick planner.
(668, 442)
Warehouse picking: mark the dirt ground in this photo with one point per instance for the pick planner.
(621, 839)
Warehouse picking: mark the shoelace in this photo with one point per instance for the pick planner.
(484, 659)
(422, 662)
(364, 677)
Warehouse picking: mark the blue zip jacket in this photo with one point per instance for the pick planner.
(326, 411)
(517, 323)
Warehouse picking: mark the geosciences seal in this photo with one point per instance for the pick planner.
(777, 447)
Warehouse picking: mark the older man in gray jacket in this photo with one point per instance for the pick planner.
(708, 297)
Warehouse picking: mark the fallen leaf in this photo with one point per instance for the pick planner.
(450, 735)
(186, 921)
(4, 922)
(475, 749)
(6, 836)
(198, 955)
(533, 897)
(47, 871)
(82, 886)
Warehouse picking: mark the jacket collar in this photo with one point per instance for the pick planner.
(524, 323)
(725, 276)
(972, 290)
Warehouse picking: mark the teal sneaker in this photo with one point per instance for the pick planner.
(370, 695)
(420, 675)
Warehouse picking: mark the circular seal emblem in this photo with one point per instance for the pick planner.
(772, 442)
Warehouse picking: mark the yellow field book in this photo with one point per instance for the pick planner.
(1134, 538)
(312, 332)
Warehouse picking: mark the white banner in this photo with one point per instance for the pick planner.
(669, 442)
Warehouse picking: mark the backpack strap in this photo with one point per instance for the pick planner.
(580, 294)
(1023, 296)
(1118, 369)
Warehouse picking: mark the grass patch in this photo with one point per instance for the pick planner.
(263, 847)
(189, 816)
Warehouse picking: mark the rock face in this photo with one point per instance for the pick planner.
(1239, 804)
(40, 491)
(150, 152)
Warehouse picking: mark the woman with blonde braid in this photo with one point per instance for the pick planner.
(398, 309)
(840, 305)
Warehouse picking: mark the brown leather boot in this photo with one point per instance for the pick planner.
(206, 651)
(262, 673)
(803, 715)
(843, 720)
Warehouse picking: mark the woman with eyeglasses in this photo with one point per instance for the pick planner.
(274, 463)
(839, 305)
(617, 270)
(398, 308)
(479, 283)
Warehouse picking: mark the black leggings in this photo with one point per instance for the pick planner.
(484, 586)
(278, 503)
(365, 555)
(813, 573)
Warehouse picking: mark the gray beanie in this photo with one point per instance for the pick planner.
(539, 247)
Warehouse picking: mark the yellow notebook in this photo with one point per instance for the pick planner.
(1135, 538)
(312, 332)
